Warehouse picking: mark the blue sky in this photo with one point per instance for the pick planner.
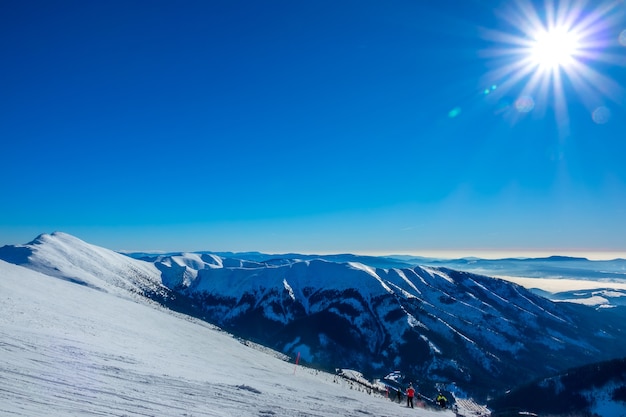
(310, 126)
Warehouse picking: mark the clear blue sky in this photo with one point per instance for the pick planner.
(308, 126)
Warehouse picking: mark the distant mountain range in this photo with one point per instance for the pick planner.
(608, 271)
(441, 327)
(608, 277)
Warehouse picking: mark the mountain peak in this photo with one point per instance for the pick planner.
(67, 257)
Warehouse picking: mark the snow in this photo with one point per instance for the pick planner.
(289, 289)
(469, 408)
(589, 301)
(370, 271)
(74, 350)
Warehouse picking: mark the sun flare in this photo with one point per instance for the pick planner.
(547, 56)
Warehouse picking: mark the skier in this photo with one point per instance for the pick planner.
(441, 400)
(410, 393)
(399, 395)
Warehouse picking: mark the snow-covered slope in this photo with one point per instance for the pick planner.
(67, 257)
(68, 349)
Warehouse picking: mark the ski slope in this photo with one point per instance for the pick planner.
(73, 350)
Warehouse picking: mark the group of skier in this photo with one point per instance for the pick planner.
(410, 393)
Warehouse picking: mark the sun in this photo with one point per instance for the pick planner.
(547, 56)
(555, 48)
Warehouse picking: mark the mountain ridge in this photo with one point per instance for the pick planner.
(439, 325)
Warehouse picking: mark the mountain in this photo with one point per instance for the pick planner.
(376, 261)
(434, 323)
(441, 327)
(67, 257)
(560, 267)
(68, 349)
(595, 389)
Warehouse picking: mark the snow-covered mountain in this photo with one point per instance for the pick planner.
(67, 257)
(599, 283)
(68, 349)
(437, 325)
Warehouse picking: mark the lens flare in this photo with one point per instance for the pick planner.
(454, 112)
(525, 104)
(601, 115)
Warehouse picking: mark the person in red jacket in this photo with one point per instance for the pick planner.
(410, 393)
